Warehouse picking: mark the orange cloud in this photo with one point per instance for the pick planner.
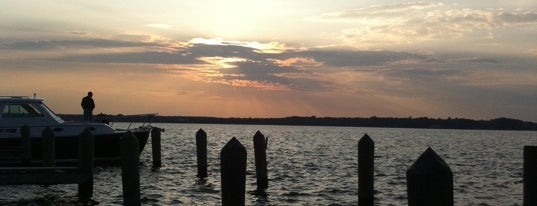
(298, 62)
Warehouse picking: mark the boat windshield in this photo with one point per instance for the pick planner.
(53, 115)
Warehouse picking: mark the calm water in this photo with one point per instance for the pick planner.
(310, 166)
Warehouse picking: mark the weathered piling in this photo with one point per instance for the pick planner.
(260, 151)
(156, 147)
(26, 141)
(429, 181)
(366, 150)
(233, 173)
(85, 164)
(49, 149)
(530, 175)
(201, 153)
(130, 174)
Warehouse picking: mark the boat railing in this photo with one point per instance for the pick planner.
(144, 119)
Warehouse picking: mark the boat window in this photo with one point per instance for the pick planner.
(20, 110)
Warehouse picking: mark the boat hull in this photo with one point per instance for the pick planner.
(106, 149)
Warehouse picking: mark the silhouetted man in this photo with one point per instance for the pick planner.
(88, 105)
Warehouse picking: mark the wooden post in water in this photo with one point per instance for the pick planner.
(201, 153)
(260, 151)
(233, 173)
(49, 149)
(85, 164)
(366, 150)
(530, 175)
(130, 174)
(429, 181)
(26, 144)
(156, 147)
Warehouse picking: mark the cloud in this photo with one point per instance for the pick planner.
(428, 80)
(229, 62)
(298, 62)
(85, 43)
(356, 58)
(241, 64)
(270, 47)
(376, 12)
(226, 62)
(421, 21)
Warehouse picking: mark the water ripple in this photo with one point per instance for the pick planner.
(309, 166)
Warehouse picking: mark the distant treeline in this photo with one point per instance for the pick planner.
(421, 122)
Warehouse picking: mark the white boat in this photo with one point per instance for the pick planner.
(17, 111)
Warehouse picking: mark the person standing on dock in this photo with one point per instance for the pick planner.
(88, 105)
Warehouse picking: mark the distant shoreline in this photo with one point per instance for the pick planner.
(389, 122)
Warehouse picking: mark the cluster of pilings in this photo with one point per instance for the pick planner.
(429, 178)
(233, 166)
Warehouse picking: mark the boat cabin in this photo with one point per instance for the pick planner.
(19, 110)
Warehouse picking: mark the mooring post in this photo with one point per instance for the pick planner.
(233, 173)
(429, 181)
(260, 151)
(85, 164)
(49, 149)
(530, 175)
(366, 163)
(130, 174)
(26, 144)
(201, 153)
(155, 147)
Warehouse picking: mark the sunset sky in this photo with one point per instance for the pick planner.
(278, 58)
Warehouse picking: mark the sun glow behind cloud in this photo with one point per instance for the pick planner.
(222, 62)
(270, 47)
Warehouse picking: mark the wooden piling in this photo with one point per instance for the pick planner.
(130, 174)
(530, 175)
(86, 157)
(156, 147)
(260, 151)
(26, 141)
(429, 181)
(233, 173)
(366, 150)
(201, 153)
(49, 149)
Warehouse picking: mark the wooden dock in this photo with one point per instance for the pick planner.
(28, 172)
(48, 173)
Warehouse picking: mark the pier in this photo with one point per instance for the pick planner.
(48, 174)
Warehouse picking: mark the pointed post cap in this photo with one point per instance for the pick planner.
(258, 133)
(233, 145)
(429, 163)
(365, 140)
(200, 131)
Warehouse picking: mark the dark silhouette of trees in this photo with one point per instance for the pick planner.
(391, 122)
